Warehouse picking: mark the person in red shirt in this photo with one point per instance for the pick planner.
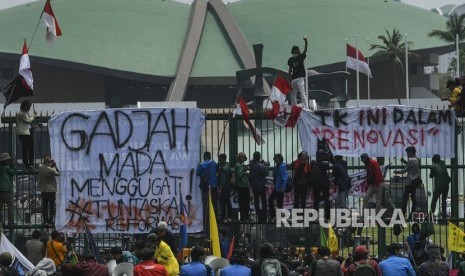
(148, 267)
(360, 257)
(375, 181)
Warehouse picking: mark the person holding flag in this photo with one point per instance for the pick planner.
(297, 74)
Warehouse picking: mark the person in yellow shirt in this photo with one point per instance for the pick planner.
(56, 250)
(454, 98)
(164, 255)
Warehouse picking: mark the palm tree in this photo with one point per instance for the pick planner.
(455, 25)
(393, 47)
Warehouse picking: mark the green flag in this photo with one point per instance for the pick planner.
(323, 240)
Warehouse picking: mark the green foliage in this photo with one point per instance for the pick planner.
(455, 25)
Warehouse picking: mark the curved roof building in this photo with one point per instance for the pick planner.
(121, 51)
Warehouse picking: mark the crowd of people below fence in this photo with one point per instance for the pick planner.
(152, 255)
(219, 179)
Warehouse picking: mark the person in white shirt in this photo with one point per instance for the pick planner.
(25, 133)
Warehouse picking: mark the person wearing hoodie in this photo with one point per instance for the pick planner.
(267, 260)
(121, 256)
(434, 265)
(45, 267)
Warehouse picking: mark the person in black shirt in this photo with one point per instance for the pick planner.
(257, 180)
(297, 74)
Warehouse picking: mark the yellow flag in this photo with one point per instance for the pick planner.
(214, 237)
(333, 243)
(456, 239)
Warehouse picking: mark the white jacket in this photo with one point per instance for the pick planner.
(23, 123)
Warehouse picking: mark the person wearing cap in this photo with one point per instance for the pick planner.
(342, 181)
(434, 265)
(360, 257)
(47, 185)
(396, 264)
(456, 92)
(297, 74)
(45, 267)
(147, 266)
(165, 234)
(242, 183)
(280, 183)
(5, 265)
(197, 266)
(257, 180)
(375, 181)
(163, 255)
(223, 171)
(56, 249)
(441, 184)
(237, 265)
(24, 129)
(208, 182)
(7, 171)
(300, 169)
(412, 168)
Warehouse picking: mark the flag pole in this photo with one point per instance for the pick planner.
(407, 89)
(368, 77)
(358, 77)
(306, 73)
(347, 82)
(35, 31)
(457, 53)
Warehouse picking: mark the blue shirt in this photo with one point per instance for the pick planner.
(195, 269)
(396, 266)
(208, 166)
(236, 270)
(280, 177)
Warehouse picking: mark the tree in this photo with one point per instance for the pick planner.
(455, 25)
(393, 47)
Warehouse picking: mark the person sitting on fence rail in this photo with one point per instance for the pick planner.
(441, 185)
(7, 171)
(434, 265)
(396, 264)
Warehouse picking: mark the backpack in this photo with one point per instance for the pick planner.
(364, 269)
(315, 175)
(271, 267)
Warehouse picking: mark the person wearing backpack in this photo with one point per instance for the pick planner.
(280, 183)
(434, 265)
(441, 184)
(362, 265)
(208, 182)
(301, 168)
(325, 265)
(267, 264)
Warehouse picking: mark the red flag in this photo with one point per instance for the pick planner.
(273, 113)
(351, 61)
(293, 116)
(280, 89)
(284, 115)
(231, 248)
(243, 109)
(50, 21)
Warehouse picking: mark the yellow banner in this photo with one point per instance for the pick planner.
(456, 239)
(333, 243)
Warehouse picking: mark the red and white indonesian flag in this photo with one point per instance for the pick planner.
(49, 20)
(280, 89)
(284, 115)
(243, 109)
(352, 62)
(25, 67)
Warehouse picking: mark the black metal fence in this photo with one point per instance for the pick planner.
(225, 134)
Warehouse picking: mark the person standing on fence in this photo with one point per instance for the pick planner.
(242, 182)
(375, 181)
(342, 181)
(434, 265)
(207, 173)
(257, 179)
(396, 264)
(412, 168)
(301, 169)
(7, 171)
(297, 74)
(441, 184)
(280, 183)
(223, 171)
(319, 180)
(47, 185)
(25, 131)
